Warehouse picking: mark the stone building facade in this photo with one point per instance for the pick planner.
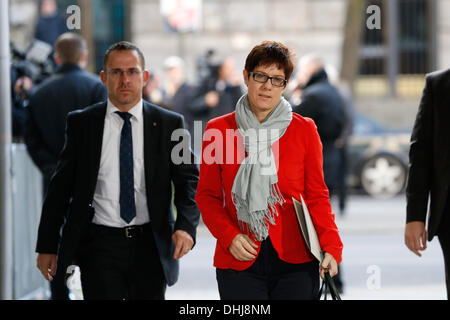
(233, 27)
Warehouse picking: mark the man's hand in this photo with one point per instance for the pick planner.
(243, 248)
(183, 243)
(46, 263)
(416, 236)
(329, 265)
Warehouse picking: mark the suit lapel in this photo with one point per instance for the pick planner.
(443, 109)
(151, 143)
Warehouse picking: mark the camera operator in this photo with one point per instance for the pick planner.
(27, 69)
(20, 86)
(218, 93)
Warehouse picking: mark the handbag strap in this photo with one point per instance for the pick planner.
(323, 289)
(333, 290)
(328, 282)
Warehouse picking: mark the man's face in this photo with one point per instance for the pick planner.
(124, 78)
(305, 71)
(48, 8)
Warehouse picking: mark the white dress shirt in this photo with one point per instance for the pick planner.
(107, 190)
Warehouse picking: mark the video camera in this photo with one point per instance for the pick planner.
(208, 70)
(34, 63)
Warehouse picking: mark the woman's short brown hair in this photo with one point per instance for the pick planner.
(271, 52)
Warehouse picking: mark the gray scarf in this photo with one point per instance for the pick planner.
(255, 192)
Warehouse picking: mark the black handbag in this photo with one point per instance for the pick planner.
(328, 285)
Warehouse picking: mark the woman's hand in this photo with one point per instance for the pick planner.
(243, 248)
(329, 265)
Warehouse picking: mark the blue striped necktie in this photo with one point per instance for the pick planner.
(127, 203)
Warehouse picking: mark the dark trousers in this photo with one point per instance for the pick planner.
(270, 278)
(115, 267)
(58, 287)
(444, 239)
(342, 189)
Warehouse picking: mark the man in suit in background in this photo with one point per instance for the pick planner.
(115, 176)
(323, 103)
(68, 89)
(429, 170)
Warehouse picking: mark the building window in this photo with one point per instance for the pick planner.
(413, 42)
(394, 59)
(372, 50)
(109, 26)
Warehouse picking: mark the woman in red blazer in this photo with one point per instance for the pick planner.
(254, 160)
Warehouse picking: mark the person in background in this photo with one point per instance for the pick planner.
(428, 176)
(50, 24)
(343, 140)
(247, 181)
(323, 103)
(220, 95)
(70, 88)
(177, 92)
(20, 88)
(152, 91)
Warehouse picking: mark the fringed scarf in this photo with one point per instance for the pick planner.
(255, 191)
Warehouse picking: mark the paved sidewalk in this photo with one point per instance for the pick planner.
(376, 264)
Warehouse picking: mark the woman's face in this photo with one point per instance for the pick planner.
(264, 97)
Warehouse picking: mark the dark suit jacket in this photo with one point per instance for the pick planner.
(323, 103)
(73, 184)
(429, 155)
(69, 89)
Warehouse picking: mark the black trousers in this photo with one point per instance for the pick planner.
(444, 239)
(270, 278)
(58, 287)
(115, 267)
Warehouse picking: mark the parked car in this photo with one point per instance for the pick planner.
(378, 158)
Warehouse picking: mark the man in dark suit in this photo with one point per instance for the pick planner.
(429, 170)
(69, 89)
(323, 103)
(115, 175)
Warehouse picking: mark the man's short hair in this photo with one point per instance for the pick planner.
(122, 46)
(268, 53)
(70, 47)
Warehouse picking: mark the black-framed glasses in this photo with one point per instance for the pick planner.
(262, 78)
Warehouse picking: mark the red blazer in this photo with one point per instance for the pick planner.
(298, 157)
